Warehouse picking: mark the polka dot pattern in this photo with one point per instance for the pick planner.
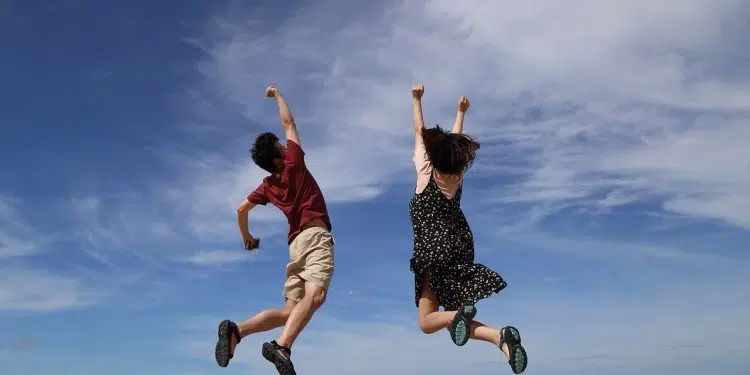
(444, 246)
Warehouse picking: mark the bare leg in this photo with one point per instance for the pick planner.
(431, 320)
(482, 332)
(302, 313)
(265, 320)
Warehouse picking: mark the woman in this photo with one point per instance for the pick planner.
(443, 260)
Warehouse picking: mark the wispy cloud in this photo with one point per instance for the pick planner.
(581, 107)
(15, 233)
(40, 290)
(633, 110)
(23, 286)
(576, 104)
(218, 257)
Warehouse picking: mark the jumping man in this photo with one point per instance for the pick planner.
(292, 189)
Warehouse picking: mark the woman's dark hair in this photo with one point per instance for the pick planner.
(264, 151)
(449, 153)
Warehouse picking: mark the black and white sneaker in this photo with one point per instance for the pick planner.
(280, 356)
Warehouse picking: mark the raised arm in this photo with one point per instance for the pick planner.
(463, 106)
(285, 115)
(416, 95)
(242, 213)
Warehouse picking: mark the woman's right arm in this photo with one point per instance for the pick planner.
(463, 106)
(416, 95)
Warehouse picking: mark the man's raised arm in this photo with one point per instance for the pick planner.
(285, 115)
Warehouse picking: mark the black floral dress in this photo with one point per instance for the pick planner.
(444, 246)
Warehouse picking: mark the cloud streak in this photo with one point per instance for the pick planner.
(581, 104)
(15, 232)
(578, 107)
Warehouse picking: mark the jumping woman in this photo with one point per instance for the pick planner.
(443, 260)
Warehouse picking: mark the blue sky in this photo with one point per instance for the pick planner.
(612, 189)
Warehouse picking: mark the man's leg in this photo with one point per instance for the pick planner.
(309, 274)
(315, 247)
(279, 352)
(229, 331)
(265, 320)
(301, 314)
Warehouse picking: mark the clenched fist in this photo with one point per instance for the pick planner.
(417, 91)
(463, 104)
(271, 91)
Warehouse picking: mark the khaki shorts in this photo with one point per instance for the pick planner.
(310, 259)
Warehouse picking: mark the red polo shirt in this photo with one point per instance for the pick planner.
(295, 192)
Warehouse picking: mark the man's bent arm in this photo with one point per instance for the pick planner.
(242, 212)
(287, 120)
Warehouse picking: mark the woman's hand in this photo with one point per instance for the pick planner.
(463, 104)
(417, 91)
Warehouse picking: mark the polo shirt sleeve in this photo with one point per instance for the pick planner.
(259, 196)
(294, 154)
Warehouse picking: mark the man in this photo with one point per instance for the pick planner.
(293, 190)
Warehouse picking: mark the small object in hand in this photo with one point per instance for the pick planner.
(252, 244)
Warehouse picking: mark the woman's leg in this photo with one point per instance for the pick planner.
(430, 319)
(510, 347)
(491, 335)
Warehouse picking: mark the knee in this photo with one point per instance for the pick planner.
(318, 300)
(315, 300)
(425, 328)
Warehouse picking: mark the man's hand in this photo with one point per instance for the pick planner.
(252, 243)
(271, 91)
(417, 91)
(463, 104)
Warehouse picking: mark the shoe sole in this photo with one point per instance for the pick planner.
(269, 353)
(460, 330)
(221, 353)
(520, 357)
(517, 352)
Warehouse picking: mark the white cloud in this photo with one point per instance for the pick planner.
(31, 290)
(133, 223)
(219, 257)
(579, 100)
(583, 104)
(16, 237)
(27, 288)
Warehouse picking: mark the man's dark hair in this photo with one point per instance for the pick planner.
(449, 153)
(264, 151)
